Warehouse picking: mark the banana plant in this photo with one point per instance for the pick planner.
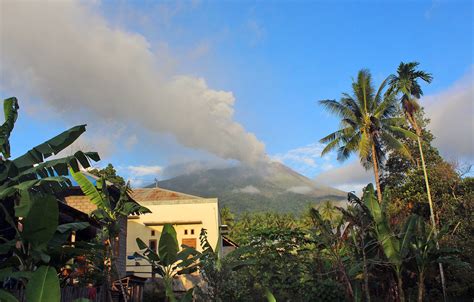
(109, 214)
(425, 250)
(215, 267)
(395, 247)
(169, 261)
(331, 239)
(360, 228)
(29, 210)
(38, 249)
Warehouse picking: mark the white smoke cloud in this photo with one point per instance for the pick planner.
(67, 55)
(248, 190)
(300, 189)
(186, 168)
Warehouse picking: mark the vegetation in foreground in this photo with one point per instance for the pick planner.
(408, 238)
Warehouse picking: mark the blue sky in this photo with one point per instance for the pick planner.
(276, 58)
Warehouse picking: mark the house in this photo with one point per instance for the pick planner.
(74, 198)
(187, 213)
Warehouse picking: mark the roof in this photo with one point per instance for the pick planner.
(228, 242)
(156, 194)
(175, 222)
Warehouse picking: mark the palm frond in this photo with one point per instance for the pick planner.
(350, 146)
(394, 121)
(394, 144)
(402, 133)
(378, 96)
(387, 107)
(364, 145)
(337, 108)
(331, 146)
(331, 137)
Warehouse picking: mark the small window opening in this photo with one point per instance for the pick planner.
(152, 233)
(192, 231)
(185, 232)
(152, 245)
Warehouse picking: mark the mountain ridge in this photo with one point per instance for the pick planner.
(271, 187)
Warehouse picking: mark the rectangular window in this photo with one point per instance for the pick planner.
(152, 245)
(185, 232)
(191, 242)
(152, 233)
(192, 231)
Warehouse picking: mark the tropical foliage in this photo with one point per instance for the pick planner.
(35, 251)
(409, 238)
(112, 215)
(169, 261)
(33, 244)
(369, 125)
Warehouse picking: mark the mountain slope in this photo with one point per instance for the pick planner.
(272, 187)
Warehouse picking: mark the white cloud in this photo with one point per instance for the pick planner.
(350, 177)
(141, 175)
(300, 189)
(67, 55)
(144, 170)
(452, 119)
(247, 189)
(103, 145)
(306, 160)
(137, 182)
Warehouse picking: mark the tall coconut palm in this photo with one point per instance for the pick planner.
(405, 82)
(369, 126)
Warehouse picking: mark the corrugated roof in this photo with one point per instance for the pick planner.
(156, 194)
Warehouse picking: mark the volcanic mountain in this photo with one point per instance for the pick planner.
(270, 187)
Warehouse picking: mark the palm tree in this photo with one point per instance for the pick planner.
(406, 83)
(329, 212)
(369, 126)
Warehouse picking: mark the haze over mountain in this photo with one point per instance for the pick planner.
(269, 187)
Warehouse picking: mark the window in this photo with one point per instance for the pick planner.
(185, 232)
(152, 244)
(191, 242)
(192, 231)
(153, 233)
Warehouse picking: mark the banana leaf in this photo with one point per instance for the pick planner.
(52, 146)
(390, 244)
(42, 221)
(91, 191)
(43, 286)
(168, 245)
(10, 110)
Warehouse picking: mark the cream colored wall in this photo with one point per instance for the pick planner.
(204, 210)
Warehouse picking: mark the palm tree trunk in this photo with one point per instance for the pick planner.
(432, 217)
(376, 173)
